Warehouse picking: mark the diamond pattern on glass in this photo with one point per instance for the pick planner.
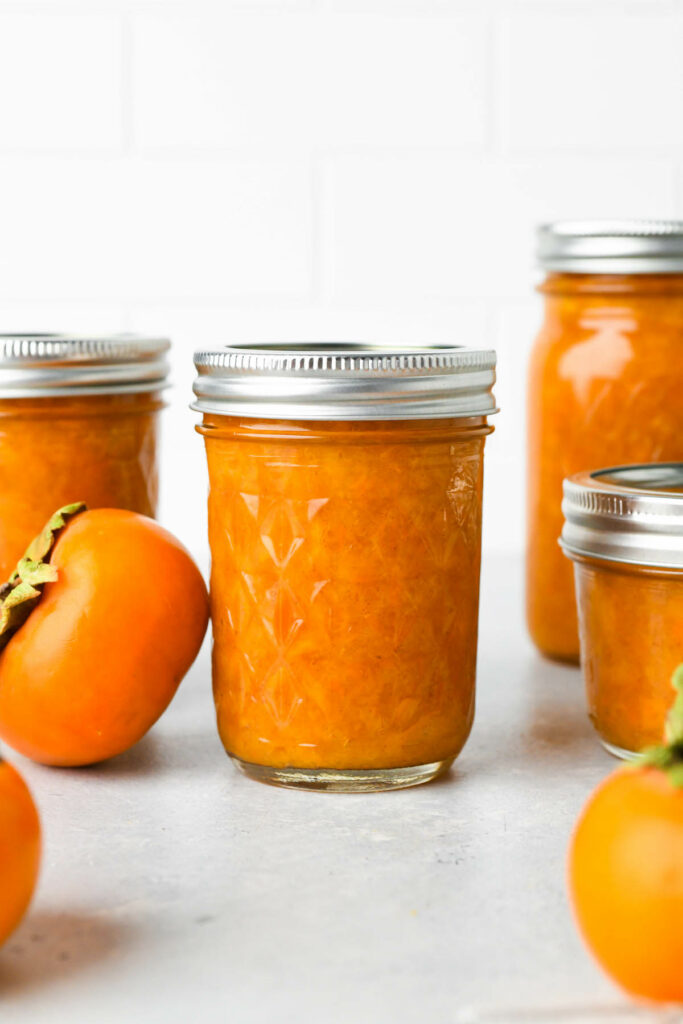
(345, 592)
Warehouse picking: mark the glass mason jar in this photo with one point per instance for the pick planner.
(605, 381)
(345, 532)
(78, 422)
(624, 533)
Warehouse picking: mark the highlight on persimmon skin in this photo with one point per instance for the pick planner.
(102, 653)
(19, 849)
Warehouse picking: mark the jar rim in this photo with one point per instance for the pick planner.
(611, 246)
(345, 381)
(631, 514)
(57, 365)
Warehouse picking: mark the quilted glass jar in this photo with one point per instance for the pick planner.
(345, 533)
(78, 422)
(605, 380)
(624, 533)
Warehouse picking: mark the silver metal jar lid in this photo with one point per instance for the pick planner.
(54, 365)
(611, 246)
(631, 514)
(340, 381)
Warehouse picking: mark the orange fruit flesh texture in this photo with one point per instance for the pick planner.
(631, 624)
(19, 849)
(626, 882)
(100, 449)
(344, 589)
(101, 656)
(605, 385)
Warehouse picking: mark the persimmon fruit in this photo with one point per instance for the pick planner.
(626, 869)
(19, 848)
(105, 615)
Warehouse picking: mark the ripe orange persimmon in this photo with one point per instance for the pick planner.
(19, 848)
(120, 619)
(626, 869)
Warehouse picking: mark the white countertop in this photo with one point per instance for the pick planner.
(174, 890)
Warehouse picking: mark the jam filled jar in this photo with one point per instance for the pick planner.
(624, 533)
(78, 422)
(605, 385)
(345, 532)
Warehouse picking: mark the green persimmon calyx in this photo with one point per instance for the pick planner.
(668, 756)
(22, 592)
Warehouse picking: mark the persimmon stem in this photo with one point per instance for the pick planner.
(22, 592)
(668, 756)
(674, 722)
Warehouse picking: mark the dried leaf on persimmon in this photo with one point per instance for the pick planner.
(22, 592)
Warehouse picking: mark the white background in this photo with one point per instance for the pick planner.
(322, 169)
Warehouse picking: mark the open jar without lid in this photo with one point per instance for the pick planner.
(605, 384)
(78, 422)
(624, 531)
(345, 533)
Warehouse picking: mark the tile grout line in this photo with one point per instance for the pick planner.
(318, 249)
(127, 110)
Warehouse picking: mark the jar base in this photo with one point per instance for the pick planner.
(343, 780)
(559, 657)
(623, 755)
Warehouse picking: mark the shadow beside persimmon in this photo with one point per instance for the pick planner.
(158, 754)
(51, 946)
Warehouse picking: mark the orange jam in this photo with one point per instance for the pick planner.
(605, 386)
(100, 449)
(345, 582)
(631, 625)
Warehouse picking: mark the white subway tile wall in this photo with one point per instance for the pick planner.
(322, 169)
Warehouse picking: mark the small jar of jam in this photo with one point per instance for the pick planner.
(78, 422)
(605, 385)
(345, 533)
(624, 532)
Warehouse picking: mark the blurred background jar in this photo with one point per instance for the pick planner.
(624, 532)
(78, 422)
(604, 388)
(345, 532)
